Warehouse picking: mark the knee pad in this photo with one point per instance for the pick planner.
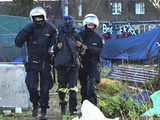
(63, 90)
(75, 89)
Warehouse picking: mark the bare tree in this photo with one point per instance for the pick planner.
(21, 7)
(156, 3)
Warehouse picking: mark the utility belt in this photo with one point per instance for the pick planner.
(35, 64)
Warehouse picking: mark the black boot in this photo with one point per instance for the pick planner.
(73, 103)
(35, 111)
(63, 106)
(73, 113)
(43, 114)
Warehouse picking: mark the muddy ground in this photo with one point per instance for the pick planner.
(53, 111)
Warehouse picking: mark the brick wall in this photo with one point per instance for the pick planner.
(103, 9)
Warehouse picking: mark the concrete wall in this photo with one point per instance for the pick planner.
(13, 90)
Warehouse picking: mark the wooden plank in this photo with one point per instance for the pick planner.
(132, 74)
(124, 79)
(137, 77)
(129, 77)
(136, 70)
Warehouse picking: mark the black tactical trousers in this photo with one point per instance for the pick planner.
(32, 82)
(89, 76)
(67, 78)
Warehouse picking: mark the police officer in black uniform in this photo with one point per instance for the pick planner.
(67, 63)
(89, 74)
(37, 37)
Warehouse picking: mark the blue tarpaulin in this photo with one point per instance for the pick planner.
(140, 47)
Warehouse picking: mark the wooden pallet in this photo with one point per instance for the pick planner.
(132, 73)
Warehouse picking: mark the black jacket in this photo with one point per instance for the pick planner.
(38, 41)
(68, 55)
(94, 43)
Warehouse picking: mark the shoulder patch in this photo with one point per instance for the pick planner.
(95, 44)
(47, 35)
(103, 41)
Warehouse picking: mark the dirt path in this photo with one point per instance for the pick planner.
(53, 112)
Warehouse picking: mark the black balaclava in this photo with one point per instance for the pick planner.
(68, 24)
(38, 23)
(89, 29)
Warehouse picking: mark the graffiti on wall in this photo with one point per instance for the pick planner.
(120, 31)
(124, 30)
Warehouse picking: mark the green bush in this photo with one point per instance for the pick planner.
(152, 85)
(116, 106)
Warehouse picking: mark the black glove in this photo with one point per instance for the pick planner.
(83, 49)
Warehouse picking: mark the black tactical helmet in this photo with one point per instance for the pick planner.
(68, 23)
(68, 20)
